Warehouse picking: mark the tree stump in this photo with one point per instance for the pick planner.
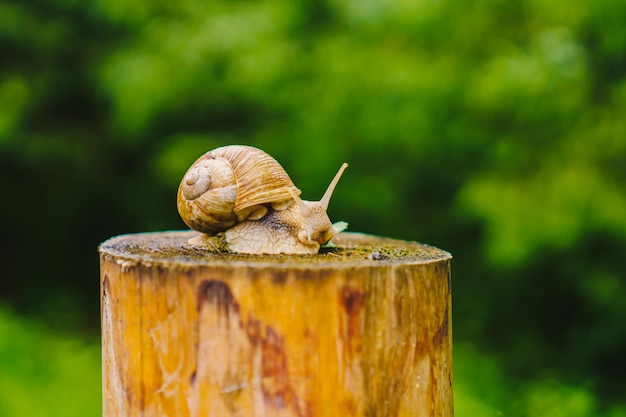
(359, 330)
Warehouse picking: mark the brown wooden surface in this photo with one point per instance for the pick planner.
(362, 330)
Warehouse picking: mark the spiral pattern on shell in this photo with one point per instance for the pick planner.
(225, 185)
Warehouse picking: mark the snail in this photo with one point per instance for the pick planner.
(243, 201)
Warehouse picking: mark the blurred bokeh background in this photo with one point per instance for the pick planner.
(493, 129)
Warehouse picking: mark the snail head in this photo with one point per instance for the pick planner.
(316, 227)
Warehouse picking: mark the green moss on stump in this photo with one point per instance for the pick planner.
(352, 248)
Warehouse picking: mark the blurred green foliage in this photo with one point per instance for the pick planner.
(43, 374)
(493, 129)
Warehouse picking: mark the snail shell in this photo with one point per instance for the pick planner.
(230, 184)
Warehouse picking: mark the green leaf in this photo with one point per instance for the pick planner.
(340, 226)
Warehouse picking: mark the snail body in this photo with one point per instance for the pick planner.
(243, 194)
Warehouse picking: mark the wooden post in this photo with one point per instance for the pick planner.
(364, 330)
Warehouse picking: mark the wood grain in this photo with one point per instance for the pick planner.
(361, 330)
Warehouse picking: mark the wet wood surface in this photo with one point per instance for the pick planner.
(364, 329)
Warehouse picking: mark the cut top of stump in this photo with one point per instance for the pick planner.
(170, 249)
